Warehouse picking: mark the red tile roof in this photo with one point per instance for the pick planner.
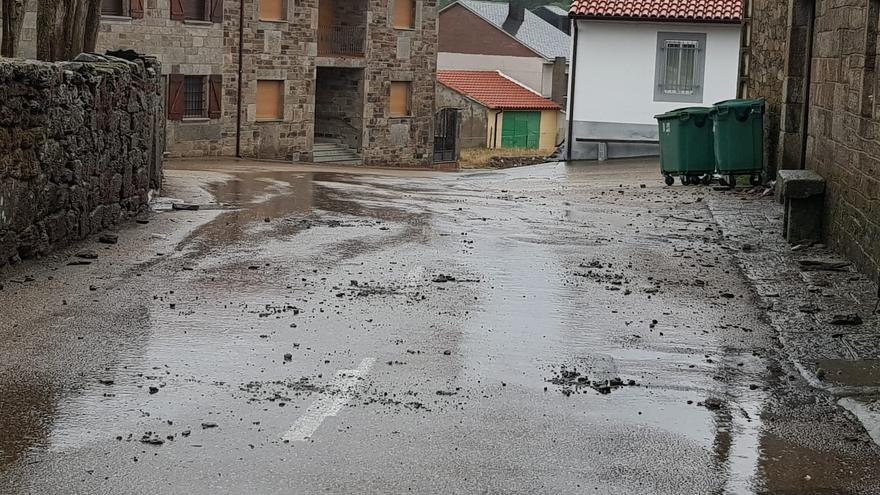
(660, 10)
(494, 90)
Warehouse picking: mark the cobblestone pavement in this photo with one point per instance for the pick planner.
(823, 310)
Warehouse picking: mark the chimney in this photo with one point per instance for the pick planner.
(559, 82)
(516, 13)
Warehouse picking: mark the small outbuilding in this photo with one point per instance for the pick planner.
(498, 112)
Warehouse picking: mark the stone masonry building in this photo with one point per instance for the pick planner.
(304, 80)
(816, 63)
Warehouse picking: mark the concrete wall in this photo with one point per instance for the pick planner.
(549, 127)
(612, 91)
(529, 71)
(80, 149)
(473, 124)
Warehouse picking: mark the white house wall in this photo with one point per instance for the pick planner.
(527, 70)
(616, 80)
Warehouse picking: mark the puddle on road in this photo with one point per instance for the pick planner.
(860, 373)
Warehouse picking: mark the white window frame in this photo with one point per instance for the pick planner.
(662, 91)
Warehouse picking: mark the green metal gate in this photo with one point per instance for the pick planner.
(521, 130)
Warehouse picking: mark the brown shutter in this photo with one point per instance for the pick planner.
(398, 104)
(136, 9)
(215, 96)
(216, 10)
(175, 96)
(177, 12)
(404, 14)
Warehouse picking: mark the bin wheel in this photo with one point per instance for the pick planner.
(670, 180)
(695, 180)
(731, 181)
(707, 179)
(685, 180)
(755, 179)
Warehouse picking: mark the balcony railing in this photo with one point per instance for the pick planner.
(341, 41)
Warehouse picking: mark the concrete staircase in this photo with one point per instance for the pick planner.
(332, 151)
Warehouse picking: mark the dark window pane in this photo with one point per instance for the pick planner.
(194, 96)
(194, 9)
(112, 7)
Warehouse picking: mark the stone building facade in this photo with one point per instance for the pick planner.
(816, 62)
(306, 50)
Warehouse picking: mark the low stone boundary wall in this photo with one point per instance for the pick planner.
(81, 147)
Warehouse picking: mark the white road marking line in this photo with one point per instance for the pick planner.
(328, 405)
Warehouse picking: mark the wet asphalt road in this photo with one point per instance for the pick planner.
(550, 329)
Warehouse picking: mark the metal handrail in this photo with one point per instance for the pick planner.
(347, 41)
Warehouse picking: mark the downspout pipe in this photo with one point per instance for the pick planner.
(808, 76)
(240, 76)
(569, 140)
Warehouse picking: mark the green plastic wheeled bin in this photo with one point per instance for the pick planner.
(739, 139)
(687, 149)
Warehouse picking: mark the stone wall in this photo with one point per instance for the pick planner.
(81, 146)
(843, 118)
(765, 69)
(473, 125)
(401, 55)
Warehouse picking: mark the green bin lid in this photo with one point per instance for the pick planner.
(684, 113)
(740, 104)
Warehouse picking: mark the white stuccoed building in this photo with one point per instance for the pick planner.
(634, 59)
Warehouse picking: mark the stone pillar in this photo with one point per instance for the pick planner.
(803, 194)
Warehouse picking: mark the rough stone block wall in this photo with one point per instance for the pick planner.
(339, 105)
(843, 118)
(766, 67)
(80, 149)
(473, 126)
(182, 47)
(401, 55)
(844, 129)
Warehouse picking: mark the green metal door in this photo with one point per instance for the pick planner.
(521, 130)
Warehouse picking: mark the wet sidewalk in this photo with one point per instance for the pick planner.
(821, 307)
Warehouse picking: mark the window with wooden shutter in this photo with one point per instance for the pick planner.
(175, 96)
(270, 100)
(112, 7)
(215, 96)
(273, 10)
(404, 14)
(399, 101)
(136, 9)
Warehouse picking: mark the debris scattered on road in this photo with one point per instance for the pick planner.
(823, 266)
(846, 319)
(108, 238)
(184, 206)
